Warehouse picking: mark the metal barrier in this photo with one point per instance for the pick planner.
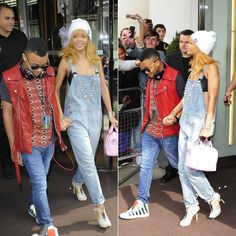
(129, 120)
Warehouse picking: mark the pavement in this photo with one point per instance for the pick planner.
(167, 208)
(73, 218)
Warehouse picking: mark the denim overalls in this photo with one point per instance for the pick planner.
(194, 183)
(83, 107)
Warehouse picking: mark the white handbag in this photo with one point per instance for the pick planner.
(202, 156)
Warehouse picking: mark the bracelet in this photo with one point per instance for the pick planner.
(111, 114)
(177, 119)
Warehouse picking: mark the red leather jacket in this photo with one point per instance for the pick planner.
(166, 98)
(22, 116)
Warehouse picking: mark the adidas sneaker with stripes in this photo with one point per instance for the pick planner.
(138, 210)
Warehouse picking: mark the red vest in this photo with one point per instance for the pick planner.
(22, 116)
(166, 98)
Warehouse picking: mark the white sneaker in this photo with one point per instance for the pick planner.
(32, 211)
(139, 209)
(78, 190)
(48, 231)
(215, 206)
(52, 231)
(102, 217)
(190, 213)
(138, 160)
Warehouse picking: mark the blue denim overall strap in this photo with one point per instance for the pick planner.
(194, 183)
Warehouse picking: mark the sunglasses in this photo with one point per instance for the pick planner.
(36, 67)
(148, 70)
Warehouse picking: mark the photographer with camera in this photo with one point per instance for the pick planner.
(165, 87)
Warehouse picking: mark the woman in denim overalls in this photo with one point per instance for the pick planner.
(197, 120)
(83, 111)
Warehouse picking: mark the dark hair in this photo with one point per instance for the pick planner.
(159, 26)
(4, 5)
(37, 46)
(149, 53)
(186, 32)
(151, 33)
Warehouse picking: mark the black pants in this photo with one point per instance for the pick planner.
(5, 152)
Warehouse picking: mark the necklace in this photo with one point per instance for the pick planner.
(86, 95)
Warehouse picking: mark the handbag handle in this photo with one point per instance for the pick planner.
(111, 129)
(207, 142)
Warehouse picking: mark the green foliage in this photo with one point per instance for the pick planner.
(174, 45)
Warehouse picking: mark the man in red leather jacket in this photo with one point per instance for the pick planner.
(164, 90)
(31, 120)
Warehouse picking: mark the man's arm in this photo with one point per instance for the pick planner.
(8, 121)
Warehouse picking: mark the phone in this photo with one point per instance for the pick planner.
(132, 30)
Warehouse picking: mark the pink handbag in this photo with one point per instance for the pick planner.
(111, 142)
(202, 156)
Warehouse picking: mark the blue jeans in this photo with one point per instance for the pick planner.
(37, 165)
(137, 136)
(151, 147)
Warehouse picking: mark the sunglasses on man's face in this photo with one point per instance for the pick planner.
(145, 70)
(36, 67)
(148, 70)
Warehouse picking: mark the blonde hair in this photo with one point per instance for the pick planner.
(200, 60)
(69, 52)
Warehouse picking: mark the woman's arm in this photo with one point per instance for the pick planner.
(63, 70)
(106, 97)
(213, 81)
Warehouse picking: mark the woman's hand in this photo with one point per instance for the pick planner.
(206, 132)
(65, 123)
(113, 121)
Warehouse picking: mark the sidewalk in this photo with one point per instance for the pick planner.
(73, 218)
(167, 209)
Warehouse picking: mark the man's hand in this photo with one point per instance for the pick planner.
(169, 120)
(65, 123)
(19, 158)
(227, 100)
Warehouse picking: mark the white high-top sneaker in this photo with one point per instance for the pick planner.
(190, 213)
(139, 209)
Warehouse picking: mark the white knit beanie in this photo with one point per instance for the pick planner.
(204, 40)
(80, 24)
